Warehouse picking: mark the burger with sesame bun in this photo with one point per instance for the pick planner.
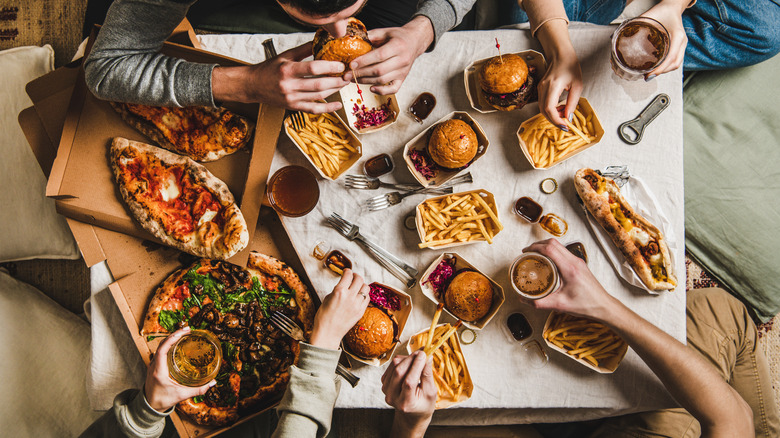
(453, 144)
(469, 296)
(345, 49)
(374, 334)
(506, 82)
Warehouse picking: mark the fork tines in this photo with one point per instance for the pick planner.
(340, 224)
(283, 322)
(299, 120)
(356, 182)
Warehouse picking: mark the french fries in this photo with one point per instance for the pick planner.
(461, 217)
(547, 144)
(325, 140)
(585, 340)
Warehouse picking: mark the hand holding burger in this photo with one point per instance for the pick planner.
(345, 49)
(340, 310)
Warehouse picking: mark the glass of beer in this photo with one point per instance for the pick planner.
(533, 276)
(293, 191)
(638, 46)
(195, 358)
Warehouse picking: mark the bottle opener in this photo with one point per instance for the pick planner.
(651, 111)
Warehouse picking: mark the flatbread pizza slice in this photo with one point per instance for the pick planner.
(201, 133)
(235, 304)
(178, 200)
(643, 245)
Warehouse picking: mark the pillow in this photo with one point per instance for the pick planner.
(732, 180)
(43, 365)
(29, 225)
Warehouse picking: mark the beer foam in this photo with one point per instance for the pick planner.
(637, 49)
(533, 276)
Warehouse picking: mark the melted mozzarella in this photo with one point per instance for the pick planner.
(207, 216)
(655, 258)
(169, 190)
(639, 236)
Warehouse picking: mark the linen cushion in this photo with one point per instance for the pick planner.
(732, 180)
(43, 365)
(29, 225)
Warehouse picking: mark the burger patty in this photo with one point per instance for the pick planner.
(519, 97)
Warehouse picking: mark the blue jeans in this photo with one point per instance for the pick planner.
(721, 33)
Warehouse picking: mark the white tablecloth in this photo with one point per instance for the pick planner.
(507, 390)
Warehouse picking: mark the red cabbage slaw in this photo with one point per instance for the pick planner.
(443, 272)
(384, 298)
(370, 117)
(423, 164)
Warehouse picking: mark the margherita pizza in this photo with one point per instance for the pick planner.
(641, 242)
(201, 133)
(178, 200)
(235, 304)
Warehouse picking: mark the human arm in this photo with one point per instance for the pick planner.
(396, 48)
(409, 387)
(125, 65)
(142, 413)
(307, 406)
(669, 13)
(549, 25)
(690, 379)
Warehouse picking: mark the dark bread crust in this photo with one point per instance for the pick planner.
(234, 236)
(220, 142)
(598, 205)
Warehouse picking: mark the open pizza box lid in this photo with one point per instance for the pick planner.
(82, 182)
(420, 143)
(587, 111)
(489, 199)
(345, 165)
(462, 264)
(537, 66)
(401, 316)
(138, 265)
(417, 342)
(607, 367)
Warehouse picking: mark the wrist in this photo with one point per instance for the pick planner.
(153, 403)
(422, 29)
(679, 5)
(554, 37)
(409, 425)
(322, 339)
(230, 84)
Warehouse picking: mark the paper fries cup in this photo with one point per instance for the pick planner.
(350, 97)
(535, 61)
(420, 143)
(344, 165)
(586, 109)
(608, 366)
(486, 196)
(418, 341)
(401, 316)
(461, 264)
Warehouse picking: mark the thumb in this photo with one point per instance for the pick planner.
(298, 53)
(200, 390)
(427, 382)
(378, 36)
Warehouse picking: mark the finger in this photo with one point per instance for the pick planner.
(375, 56)
(298, 53)
(427, 382)
(365, 296)
(388, 388)
(346, 279)
(556, 252)
(357, 283)
(379, 37)
(166, 345)
(412, 378)
(382, 72)
(400, 372)
(572, 100)
(391, 88)
(313, 107)
(321, 84)
(204, 389)
(673, 59)
(549, 105)
(318, 68)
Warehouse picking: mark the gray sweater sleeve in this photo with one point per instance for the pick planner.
(306, 409)
(125, 63)
(444, 15)
(131, 416)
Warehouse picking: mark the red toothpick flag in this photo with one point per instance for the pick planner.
(498, 46)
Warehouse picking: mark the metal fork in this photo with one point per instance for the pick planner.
(291, 329)
(396, 266)
(388, 199)
(363, 182)
(299, 120)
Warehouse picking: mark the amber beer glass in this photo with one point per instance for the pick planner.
(195, 358)
(533, 276)
(638, 46)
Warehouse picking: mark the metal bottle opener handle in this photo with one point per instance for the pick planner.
(638, 125)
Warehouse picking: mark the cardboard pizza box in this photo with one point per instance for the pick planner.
(139, 265)
(81, 180)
